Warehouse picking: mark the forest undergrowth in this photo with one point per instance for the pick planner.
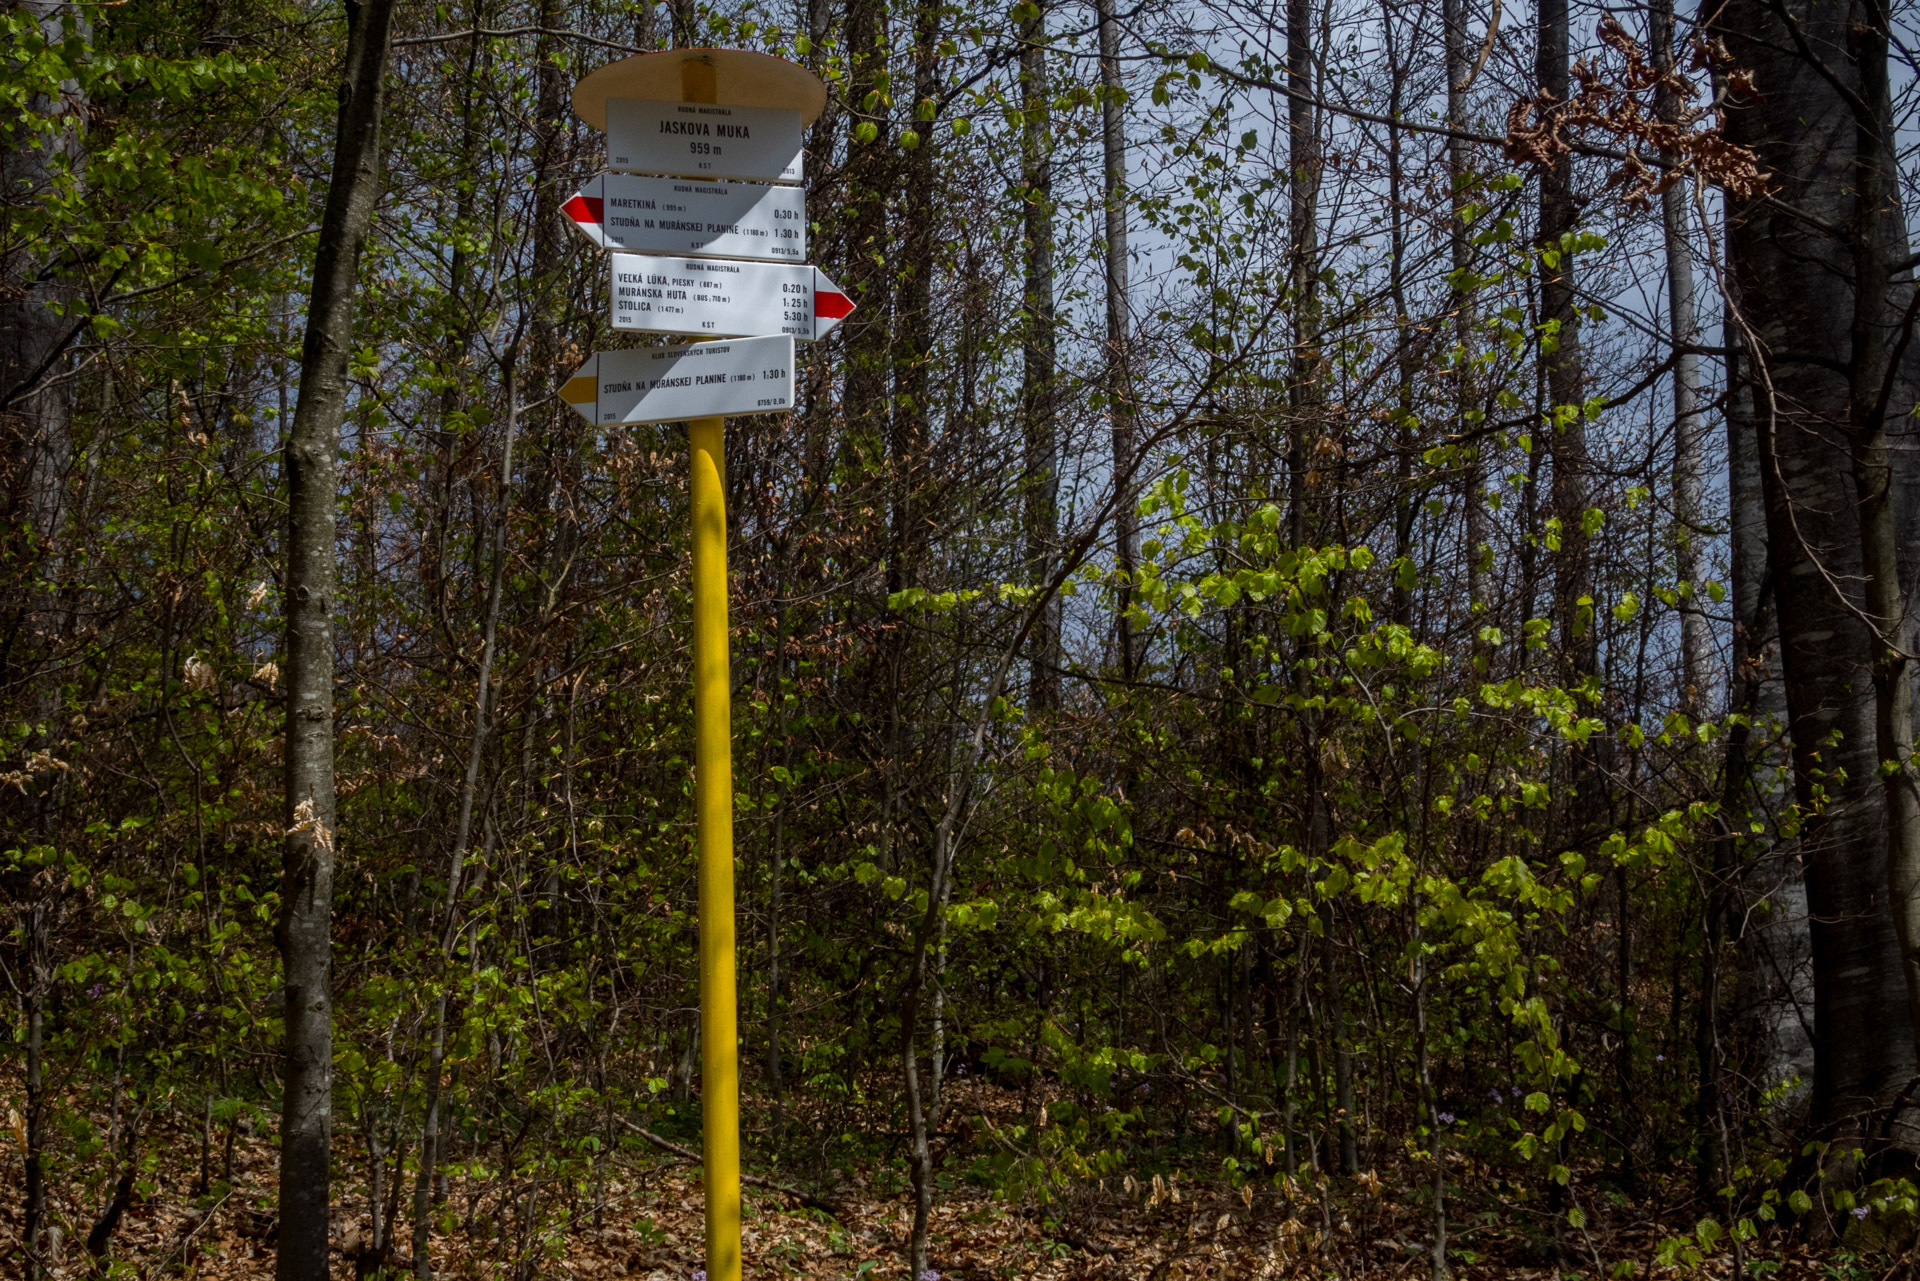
(204, 1208)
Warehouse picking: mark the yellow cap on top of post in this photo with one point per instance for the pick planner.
(739, 78)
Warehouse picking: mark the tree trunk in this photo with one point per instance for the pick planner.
(867, 176)
(1828, 366)
(1881, 331)
(1776, 950)
(1689, 423)
(39, 975)
(921, 1154)
(1303, 162)
(1290, 1081)
(1460, 257)
(1037, 342)
(913, 352)
(306, 896)
(1406, 446)
(1344, 1128)
(1430, 1105)
(818, 412)
(35, 329)
(1119, 363)
(937, 1042)
(1560, 352)
(776, 1082)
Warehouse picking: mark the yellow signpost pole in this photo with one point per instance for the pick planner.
(713, 805)
(713, 802)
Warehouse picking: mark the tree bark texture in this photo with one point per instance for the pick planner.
(1037, 352)
(37, 327)
(39, 975)
(1119, 380)
(1879, 420)
(1689, 424)
(1775, 1000)
(1560, 340)
(867, 178)
(1460, 255)
(913, 349)
(1406, 509)
(1303, 224)
(1825, 321)
(306, 893)
(33, 409)
(36, 409)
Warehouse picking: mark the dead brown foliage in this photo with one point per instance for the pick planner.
(1620, 104)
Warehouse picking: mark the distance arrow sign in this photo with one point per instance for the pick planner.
(691, 380)
(717, 298)
(693, 216)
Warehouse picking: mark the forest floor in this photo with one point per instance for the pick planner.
(649, 1226)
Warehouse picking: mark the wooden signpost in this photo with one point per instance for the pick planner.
(704, 255)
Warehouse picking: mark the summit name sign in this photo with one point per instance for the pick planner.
(759, 144)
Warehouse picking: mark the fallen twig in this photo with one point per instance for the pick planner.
(189, 1235)
(807, 1199)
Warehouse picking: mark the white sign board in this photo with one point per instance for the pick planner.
(704, 141)
(693, 216)
(721, 298)
(690, 380)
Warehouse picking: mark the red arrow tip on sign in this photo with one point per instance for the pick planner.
(583, 209)
(831, 304)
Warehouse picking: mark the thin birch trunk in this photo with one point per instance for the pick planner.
(910, 428)
(306, 1127)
